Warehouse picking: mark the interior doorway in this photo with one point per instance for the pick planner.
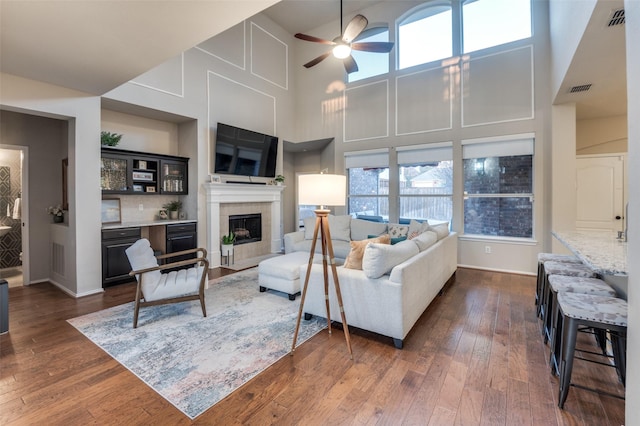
(14, 249)
(600, 189)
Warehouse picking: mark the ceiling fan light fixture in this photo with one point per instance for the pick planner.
(342, 51)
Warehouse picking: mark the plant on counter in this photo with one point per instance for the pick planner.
(109, 138)
(173, 206)
(229, 239)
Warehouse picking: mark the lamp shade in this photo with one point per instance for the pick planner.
(322, 190)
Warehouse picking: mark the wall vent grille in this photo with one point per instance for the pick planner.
(57, 259)
(581, 88)
(616, 18)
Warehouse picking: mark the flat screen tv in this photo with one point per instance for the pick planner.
(244, 152)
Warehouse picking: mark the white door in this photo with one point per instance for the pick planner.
(600, 192)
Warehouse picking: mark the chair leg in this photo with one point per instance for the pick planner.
(204, 309)
(568, 347)
(136, 308)
(618, 342)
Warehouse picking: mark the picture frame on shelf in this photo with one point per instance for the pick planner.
(110, 211)
(138, 188)
(142, 164)
(151, 189)
(143, 176)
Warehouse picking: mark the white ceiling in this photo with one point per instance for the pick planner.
(95, 46)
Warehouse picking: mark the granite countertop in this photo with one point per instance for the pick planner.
(601, 250)
(146, 223)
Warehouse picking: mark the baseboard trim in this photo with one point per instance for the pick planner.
(506, 271)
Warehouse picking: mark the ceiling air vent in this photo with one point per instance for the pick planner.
(616, 18)
(581, 88)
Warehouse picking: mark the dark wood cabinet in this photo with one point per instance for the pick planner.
(115, 264)
(182, 236)
(131, 172)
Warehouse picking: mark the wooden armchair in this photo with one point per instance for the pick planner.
(156, 288)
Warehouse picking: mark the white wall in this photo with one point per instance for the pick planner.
(607, 135)
(81, 238)
(632, 29)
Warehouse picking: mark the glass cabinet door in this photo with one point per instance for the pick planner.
(174, 177)
(113, 174)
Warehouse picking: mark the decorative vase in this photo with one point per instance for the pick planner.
(173, 214)
(58, 219)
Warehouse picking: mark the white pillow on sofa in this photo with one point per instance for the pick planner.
(425, 240)
(339, 227)
(361, 229)
(379, 259)
(441, 229)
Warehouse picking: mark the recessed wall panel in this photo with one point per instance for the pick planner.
(239, 105)
(497, 88)
(366, 111)
(167, 77)
(228, 46)
(269, 57)
(423, 101)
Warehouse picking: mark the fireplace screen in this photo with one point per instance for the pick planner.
(247, 227)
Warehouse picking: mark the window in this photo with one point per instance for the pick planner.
(498, 187)
(425, 36)
(488, 23)
(370, 64)
(368, 184)
(426, 182)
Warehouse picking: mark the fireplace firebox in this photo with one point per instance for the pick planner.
(247, 227)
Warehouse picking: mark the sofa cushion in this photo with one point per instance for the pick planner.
(441, 229)
(379, 259)
(361, 229)
(393, 240)
(416, 228)
(339, 227)
(354, 259)
(425, 240)
(398, 231)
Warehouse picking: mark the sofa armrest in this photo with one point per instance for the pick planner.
(292, 238)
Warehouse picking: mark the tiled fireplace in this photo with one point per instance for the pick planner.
(225, 200)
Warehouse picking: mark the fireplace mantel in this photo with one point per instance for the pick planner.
(221, 193)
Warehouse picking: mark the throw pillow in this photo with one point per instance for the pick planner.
(393, 240)
(416, 228)
(397, 231)
(354, 258)
(339, 227)
(441, 229)
(379, 259)
(361, 228)
(425, 240)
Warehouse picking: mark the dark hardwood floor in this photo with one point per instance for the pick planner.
(475, 357)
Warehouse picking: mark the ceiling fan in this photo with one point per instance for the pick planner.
(343, 44)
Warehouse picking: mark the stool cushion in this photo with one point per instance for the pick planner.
(603, 309)
(552, 257)
(568, 284)
(286, 267)
(572, 269)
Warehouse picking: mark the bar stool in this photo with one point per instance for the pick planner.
(549, 257)
(559, 268)
(598, 312)
(567, 284)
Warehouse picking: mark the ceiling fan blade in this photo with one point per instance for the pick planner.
(313, 39)
(317, 60)
(373, 46)
(350, 64)
(354, 28)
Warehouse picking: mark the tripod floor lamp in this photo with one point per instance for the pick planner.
(323, 190)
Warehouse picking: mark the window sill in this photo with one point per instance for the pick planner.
(503, 240)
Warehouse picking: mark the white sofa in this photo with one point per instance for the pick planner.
(390, 304)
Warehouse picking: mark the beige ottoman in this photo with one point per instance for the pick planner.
(282, 273)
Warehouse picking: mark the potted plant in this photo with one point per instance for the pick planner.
(173, 207)
(57, 213)
(279, 180)
(109, 138)
(227, 243)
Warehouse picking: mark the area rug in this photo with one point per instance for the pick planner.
(194, 362)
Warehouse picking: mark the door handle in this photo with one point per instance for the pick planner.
(618, 217)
